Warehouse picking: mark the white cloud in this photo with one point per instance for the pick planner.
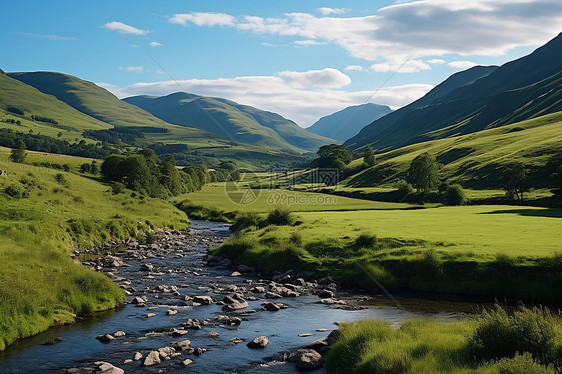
(203, 19)
(462, 64)
(155, 44)
(135, 69)
(327, 11)
(124, 29)
(408, 66)
(309, 42)
(354, 68)
(46, 36)
(276, 94)
(436, 61)
(326, 78)
(414, 29)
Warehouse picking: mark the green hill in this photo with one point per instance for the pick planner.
(347, 122)
(17, 97)
(231, 120)
(90, 107)
(476, 160)
(522, 89)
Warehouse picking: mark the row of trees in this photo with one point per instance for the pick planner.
(143, 172)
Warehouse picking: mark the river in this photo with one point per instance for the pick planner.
(80, 349)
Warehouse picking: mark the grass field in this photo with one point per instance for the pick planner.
(44, 215)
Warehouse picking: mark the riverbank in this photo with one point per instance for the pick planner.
(346, 247)
(46, 216)
(174, 297)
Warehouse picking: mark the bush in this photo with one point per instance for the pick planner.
(15, 191)
(523, 364)
(117, 188)
(365, 241)
(281, 217)
(404, 188)
(61, 179)
(500, 335)
(454, 195)
(245, 220)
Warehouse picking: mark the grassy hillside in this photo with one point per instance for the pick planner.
(78, 96)
(71, 122)
(231, 120)
(347, 122)
(476, 160)
(522, 89)
(45, 215)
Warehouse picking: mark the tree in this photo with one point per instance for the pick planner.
(454, 195)
(368, 155)
(514, 181)
(18, 154)
(94, 167)
(85, 167)
(333, 156)
(423, 173)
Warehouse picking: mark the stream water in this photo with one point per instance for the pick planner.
(79, 347)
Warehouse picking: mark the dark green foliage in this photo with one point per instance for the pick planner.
(15, 190)
(85, 167)
(499, 335)
(18, 154)
(366, 241)
(454, 195)
(61, 179)
(404, 188)
(442, 187)
(557, 178)
(523, 364)
(281, 217)
(423, 173)
(117, 188)
(246, 220)
(42, 143)
(44, 119)
(333, 156)
(368, 155)
(514, 180)
(15, 110)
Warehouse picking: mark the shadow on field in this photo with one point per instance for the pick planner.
(550, 212)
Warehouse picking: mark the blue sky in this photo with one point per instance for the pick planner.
(302, 59)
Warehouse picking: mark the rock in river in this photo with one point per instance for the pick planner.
(152, 358)
(259, 342)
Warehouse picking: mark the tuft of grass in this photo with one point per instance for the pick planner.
(281, 217)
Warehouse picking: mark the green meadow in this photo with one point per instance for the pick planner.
(45, 214)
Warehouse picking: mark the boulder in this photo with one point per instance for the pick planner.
(227, 320)
(171, 312)
(105, 338)
(146, 267)
(204, 300)
(152, 358)
(118, 334)
(187, 362)
(257, 289)
(259, 342)
(326, 294)
(183, 345)
(107, 368)
(309, 359)
(234, 306)
(137, 356)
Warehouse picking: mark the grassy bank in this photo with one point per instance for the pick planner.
(44, 215)
(527, 341)
(492, 251)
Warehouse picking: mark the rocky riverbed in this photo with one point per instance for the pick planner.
(187, 309)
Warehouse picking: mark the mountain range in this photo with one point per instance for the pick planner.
(474, 100)
(231, 120)
(347, 122)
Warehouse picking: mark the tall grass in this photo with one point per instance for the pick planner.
(56, 213)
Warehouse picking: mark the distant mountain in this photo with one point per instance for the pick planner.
(231, 120)
(348, 122)
(473, 100)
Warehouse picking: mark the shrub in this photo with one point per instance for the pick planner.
(404, 188)
(454, 195)
(365, 241)
(523, 364)
(245, 220)
(117, 188)
(15, 190)
(281, 217)
(500, 335)
(61, 179)
(296, 239)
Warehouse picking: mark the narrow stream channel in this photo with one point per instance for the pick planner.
(186, 269)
